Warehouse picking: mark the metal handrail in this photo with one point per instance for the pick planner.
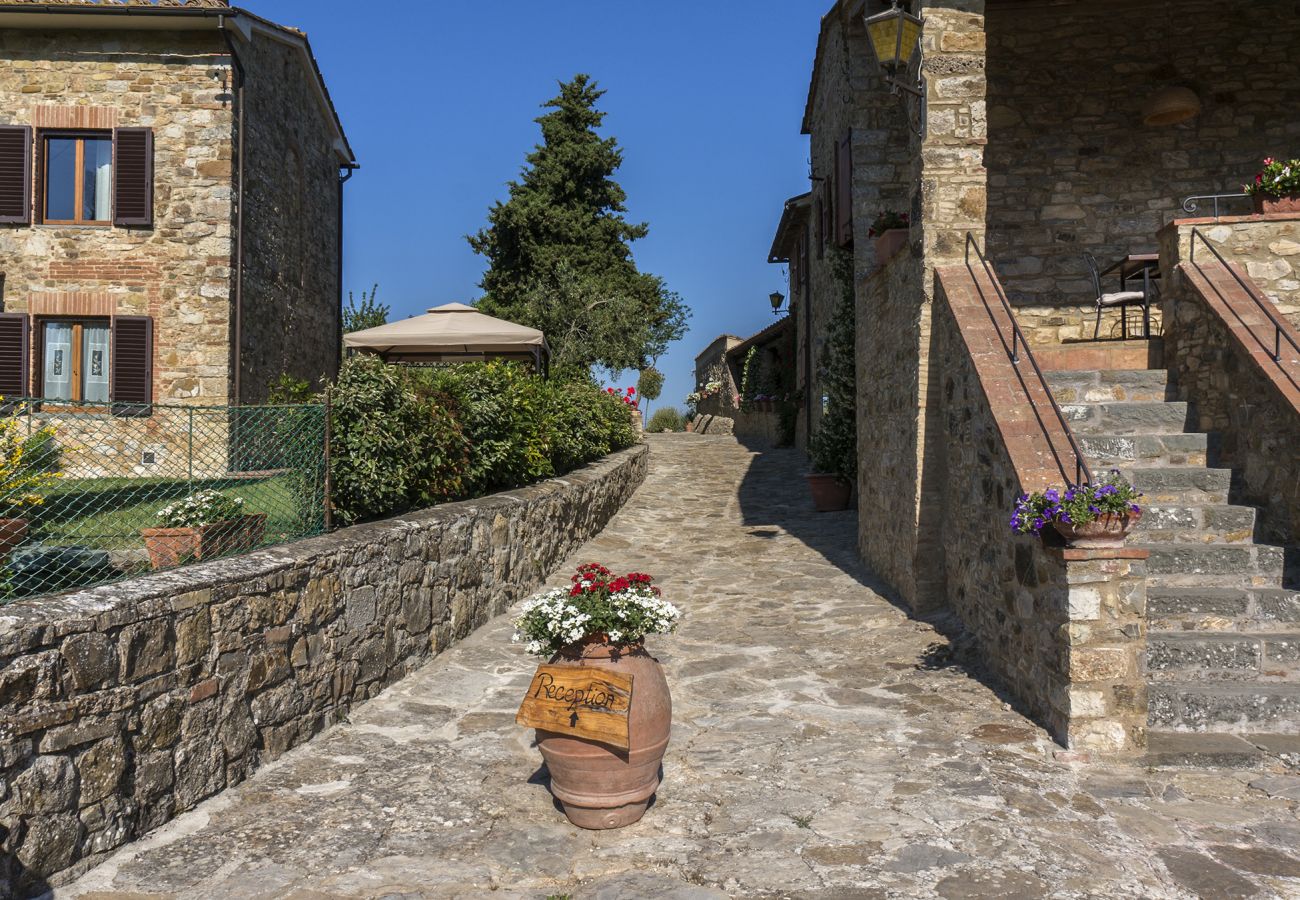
(1262, 303)
(1082, 472)
(1190, 205)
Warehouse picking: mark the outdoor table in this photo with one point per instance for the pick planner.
(1148, 266)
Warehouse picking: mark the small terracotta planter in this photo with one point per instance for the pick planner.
(1287, 204)
(890, 243)
(12, 533)
(638, 422)
(690, 426)
(169, 547)
(830, 493)
(1104, 533)
(600, 786)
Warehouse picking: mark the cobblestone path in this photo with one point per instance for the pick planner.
(825, 745)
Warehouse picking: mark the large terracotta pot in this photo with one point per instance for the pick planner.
(600, 786)
(889, 243)
(169, 547)
(12, 533)
(1287, 204)
(830, 493)
(1103, 533)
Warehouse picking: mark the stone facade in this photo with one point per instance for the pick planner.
(122, 707)
(1219, 350)
(182, 271)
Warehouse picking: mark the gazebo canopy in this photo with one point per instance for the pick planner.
(453, 332)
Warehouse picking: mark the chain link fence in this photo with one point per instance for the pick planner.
(92, 494)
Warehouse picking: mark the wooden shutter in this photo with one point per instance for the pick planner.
(819, 224)
(131, 385)
(803, 260)
(15, 175)
(133, 176)
(15, 347)
(844, 191)
(796, 274)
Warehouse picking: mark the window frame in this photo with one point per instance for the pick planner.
(77, 362)
(79, 183)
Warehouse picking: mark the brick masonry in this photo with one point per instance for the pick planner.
(124, 706)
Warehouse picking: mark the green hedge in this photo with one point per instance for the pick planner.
(409, 438)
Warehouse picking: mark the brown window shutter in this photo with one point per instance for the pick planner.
(131, 388)
(15, 345)
(819, 227)
(796, 274)
(133, 176)
(15, 175)
(803, 260)
(844, 191)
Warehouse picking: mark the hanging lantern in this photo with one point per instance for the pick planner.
(894, 35)
(777, 298)
(1171, 105)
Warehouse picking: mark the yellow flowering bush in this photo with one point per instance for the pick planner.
(20, 480)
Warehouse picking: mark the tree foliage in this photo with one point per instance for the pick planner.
(559, 248)
(369, 313)
(834, 447)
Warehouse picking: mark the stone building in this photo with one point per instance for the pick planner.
(170, 205)
(1029, 132)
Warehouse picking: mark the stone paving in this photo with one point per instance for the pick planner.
(824, 745)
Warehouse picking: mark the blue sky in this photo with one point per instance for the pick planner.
(438, 99)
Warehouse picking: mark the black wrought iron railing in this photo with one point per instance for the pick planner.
(1018, 351)
(1280, 332)
(1193, 204)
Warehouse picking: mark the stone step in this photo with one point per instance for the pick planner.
(1196, 523)
(1237, 751)
(1128, 418)
(1107, 450)
(1232, 656)
(1178, 563)
(1108, 385)
(1108, 355)
(1222, 609)
(1177, 485)
(1224, 708)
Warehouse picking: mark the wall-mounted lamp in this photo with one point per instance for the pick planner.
(777, 299)
(1171, 105)
(895, 35)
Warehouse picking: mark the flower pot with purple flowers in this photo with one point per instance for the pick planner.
(1094, 516)
(1276, 188)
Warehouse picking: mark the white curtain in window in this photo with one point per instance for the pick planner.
(104, 193)
(94, 363)
(58, 361)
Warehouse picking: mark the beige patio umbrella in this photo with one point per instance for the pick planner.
(451, 333)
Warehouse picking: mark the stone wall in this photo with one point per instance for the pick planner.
(1063, 629)
(1071, 166)
(758, 428)
(178, 271)
(291, 225)
(124, 706)
(1219, 349)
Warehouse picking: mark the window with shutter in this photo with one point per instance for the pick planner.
(844, 191)
(796, 274)
(131, 370)
(15, 175)
(133, 177)
(819, 226)
(14, 349)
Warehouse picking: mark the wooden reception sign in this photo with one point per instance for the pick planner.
(581, 702)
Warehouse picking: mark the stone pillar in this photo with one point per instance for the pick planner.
(1100, 703)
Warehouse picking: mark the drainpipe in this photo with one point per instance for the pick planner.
(345, 174)
(238, 343)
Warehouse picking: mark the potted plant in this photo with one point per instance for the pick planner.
(202, 526)
(629, 399)
(21, 477)
(890, 230)
(1096, 516)
(1276, 189)
(601, 621)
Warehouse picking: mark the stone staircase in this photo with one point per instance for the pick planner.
(1223, 645)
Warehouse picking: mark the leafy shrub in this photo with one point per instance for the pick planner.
(834, 448)
(393, 449)
(666, 418)
(651, 384)
(203, 508)
(22, 476)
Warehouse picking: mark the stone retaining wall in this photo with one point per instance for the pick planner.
(126, 705)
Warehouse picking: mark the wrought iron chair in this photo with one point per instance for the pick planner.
(1120, 300)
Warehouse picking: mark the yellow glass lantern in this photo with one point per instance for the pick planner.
(894, 36)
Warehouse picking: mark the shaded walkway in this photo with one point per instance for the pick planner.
(818, 751)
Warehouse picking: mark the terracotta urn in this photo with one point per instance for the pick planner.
(170, 547)
(12, 533)
(1102, 533)
(1288, 204)
(600, 786)
(890, 243)
(830, 493)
